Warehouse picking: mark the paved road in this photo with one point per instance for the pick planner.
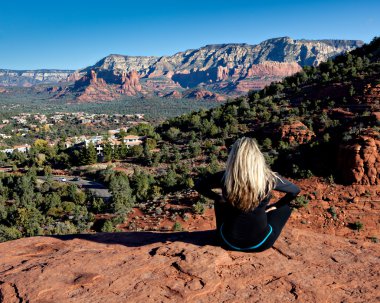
(96, 188)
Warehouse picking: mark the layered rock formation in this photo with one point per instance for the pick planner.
(359, 161)
(230, 69)
(203, 94)
(94, 89)
(296, 132)
(372, 95)
(147, 267)
(130, 83)
(32, 77)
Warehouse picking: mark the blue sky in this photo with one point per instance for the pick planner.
(74, 34)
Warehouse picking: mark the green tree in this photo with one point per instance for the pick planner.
(122, 200)
(91, 154)
(107, 152)
(142, 183)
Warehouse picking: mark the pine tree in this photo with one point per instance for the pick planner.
(107, 152)
(122, 199)
(91, 156)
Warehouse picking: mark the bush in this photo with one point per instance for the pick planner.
(177, 227)
(9, 233)
(107, 226)
(300, 201)
(199, 208)
(357, 225)
(332, 212)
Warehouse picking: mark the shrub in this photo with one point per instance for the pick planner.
(199, 208)
(332, 212)
(9, 233)
(177, 227)
(300, 201)
(107, 226)
(357, 225)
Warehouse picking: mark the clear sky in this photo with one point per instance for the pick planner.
(70, 34)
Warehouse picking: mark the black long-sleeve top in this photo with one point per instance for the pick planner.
(244, 229)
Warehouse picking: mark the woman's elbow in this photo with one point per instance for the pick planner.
(296, 191)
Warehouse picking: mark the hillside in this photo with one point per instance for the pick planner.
(323, 120)
(214, 71)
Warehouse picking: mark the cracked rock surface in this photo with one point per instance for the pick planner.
(187, 267)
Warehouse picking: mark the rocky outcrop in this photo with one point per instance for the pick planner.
(203, 94)
(359, 161)
(130, 83)
(296, 132)
(228, 69)
(372, 95)
(174, 95)
(28, 78)
(273, 69)
(91, 88)
(303, 266)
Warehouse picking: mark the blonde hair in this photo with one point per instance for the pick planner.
(247, 178)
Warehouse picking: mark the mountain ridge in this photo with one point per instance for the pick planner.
(226, 69)
(30, 77)
(217, 71)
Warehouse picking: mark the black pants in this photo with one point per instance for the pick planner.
(276, 218)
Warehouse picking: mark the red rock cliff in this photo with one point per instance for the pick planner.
(130, 83)
(359, 162)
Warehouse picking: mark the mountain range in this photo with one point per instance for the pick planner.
(27, 78)
(213, 72)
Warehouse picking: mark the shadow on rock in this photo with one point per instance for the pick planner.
(137, 239)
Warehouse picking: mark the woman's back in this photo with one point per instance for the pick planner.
(244, 229)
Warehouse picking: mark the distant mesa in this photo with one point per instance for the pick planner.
(28, 78)
(215, 72)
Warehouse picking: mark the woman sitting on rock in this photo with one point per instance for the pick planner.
(244, 220)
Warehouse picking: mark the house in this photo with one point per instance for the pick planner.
(94, 140)
(132, 140)
(21, 148)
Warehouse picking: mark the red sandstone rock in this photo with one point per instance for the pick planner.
(372, 95)
(95, 89)
(204, 94)
(273, 69)
(174, 94)
(359, 162)
(148, 267)
(296, 132)
(130, 83)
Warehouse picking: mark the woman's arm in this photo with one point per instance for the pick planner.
(285, 186)
(205, 185)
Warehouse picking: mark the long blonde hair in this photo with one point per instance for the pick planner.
(247, 179)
